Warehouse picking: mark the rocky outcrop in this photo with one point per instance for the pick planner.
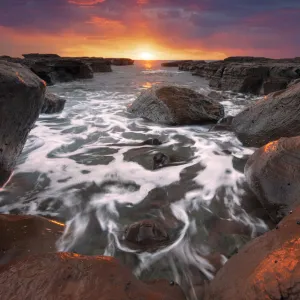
(60, 70)
(40, 56)
(273, 174)
(120, 61)
(191, 65)
(255, 75)
(24, 235)
(174, 105)
(21, 99)
(72, 276)
(175, 63)
(52, 104)
(275, 116)
(266, 268)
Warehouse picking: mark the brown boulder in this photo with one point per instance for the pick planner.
(173, 105)
(24, 235)
(52, 104)
(266, 268)
(269, 119)
(273, 174)
(63, 276)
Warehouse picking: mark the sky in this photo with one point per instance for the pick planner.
(151, 29)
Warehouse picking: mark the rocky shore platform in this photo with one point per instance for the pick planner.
(255, 75)
(52, 68)
(268, 267)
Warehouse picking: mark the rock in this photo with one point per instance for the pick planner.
(40, 56)
(175, 63)
(98, 64)
(191, 65)
(270, 118)
(254, 75)
(266, 268)
(273, 174)
(52, 104)
(146, 233)
(23, 235)
(173, 105)
(120, 61)
(72, 276)
(224, 124)
(21, 99)
(218, 96)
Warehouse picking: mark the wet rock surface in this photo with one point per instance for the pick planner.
(21, 99)
(266, 268)
(52, 104)
(147, 235)
(72, 276)
(255, 75)
(176, 106)
(273, 174)
(270, 118)
(120, 61)
(27, 235)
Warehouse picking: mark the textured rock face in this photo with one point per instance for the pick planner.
(255, 75)
(72, 276)
(121, 61)
(278, 115)
(176, 106)
(52, 104)
(266, 268)
(273, 173)
(21, 99)
(23, 235)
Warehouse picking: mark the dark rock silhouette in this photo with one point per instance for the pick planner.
(52, 104)
(21, 99)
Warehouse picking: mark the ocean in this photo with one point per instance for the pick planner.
(86, 167)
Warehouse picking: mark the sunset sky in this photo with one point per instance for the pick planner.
(158, 29)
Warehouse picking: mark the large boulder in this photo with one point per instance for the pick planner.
(266, 268)
(275, 116)
(71, 276)
(174, 105)
(21, 99)
(52, 104)
(24, 235)
(273, 174)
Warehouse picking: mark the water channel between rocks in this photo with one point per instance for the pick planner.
(84, 167)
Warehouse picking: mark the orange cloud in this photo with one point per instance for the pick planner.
(85, 2)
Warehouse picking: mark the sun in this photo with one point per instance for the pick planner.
(146, 56)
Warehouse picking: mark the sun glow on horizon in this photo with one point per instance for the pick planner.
(146, 56)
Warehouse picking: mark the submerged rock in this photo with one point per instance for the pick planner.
(147, 234)
(21, 99)
(277, 115)
(273, 174)
(266, 268)
(23, 235)
(52, 104)
(72, 276)
(174, 105)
